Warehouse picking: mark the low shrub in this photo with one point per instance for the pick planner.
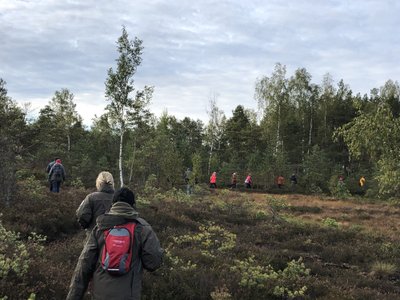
(286, 283)
(381, 269)
(16, 256)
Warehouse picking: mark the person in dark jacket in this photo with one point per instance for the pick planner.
(56, 176)
(97, 203)
(147, 254)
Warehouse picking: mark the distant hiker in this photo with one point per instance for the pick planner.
(234, 180)
(97, 203)
(341, 180)
(50, 165)
(119, 247)
(56, 176)
(213, 180)
(281, 181)
(48, 168)
(293, 179)
(188, 181)
(248, 182)
(362, 181)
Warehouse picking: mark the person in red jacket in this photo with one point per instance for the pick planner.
(248, 182)
(280, 181)
(213, 180)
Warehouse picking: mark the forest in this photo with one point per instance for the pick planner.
(282, 243)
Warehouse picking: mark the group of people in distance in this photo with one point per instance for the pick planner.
(248, 182)
(119, 245)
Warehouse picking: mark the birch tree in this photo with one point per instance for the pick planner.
(272, 95)
(124, 110)
(214, 129)
(66, 116)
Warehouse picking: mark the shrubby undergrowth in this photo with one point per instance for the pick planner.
(219, 245)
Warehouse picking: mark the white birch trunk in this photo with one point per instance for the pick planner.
(120, 158)
(209, 158)
(69, 142)
(133, 160)
(310, 133)
(278, 138)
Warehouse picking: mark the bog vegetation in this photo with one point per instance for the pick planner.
(226, 244)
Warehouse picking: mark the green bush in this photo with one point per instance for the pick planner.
(16, 257)
(286, 283)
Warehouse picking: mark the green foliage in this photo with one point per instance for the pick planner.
(221, 293)
(376, 134)
(77, 183)
(381, 269)
(330, 222)
(284, 283)
(316, 171)
(16, 255)
(12, 133)
(32, 187)
(338, 188)
(212, 240)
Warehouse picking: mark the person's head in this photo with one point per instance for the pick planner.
(58, 161)
(124, 195)
(104, 180)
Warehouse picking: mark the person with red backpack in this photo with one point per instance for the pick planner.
(56, 176)
(119, 247)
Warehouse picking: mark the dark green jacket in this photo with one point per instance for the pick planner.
(147, 254)
(93, 206)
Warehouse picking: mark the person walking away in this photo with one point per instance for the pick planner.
(50, 165)
(96, 203)
(119, 247)
(188, 181)
(248, 182)
(56, 176)
(234, 180)
(213, 180)
(281, 181)
(362, 184)
(293, 181)
(48, 168)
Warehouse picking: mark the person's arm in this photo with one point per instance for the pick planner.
(152, 252)
(84, 213)
(64, 174)
(84, 269)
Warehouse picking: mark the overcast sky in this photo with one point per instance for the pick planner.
(193, 50)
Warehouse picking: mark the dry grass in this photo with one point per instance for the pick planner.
(379, 219)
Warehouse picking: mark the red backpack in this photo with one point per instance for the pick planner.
(117, 251)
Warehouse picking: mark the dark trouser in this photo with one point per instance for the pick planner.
(248, 185)
(213, 185)
(55, 186)
(233, 185)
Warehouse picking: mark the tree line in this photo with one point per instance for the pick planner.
(318, 131)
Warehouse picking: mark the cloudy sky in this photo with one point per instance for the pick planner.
(194, 50)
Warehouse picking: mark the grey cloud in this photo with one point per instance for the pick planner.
(192, 48)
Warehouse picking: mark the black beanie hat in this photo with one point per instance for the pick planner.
(124, 195)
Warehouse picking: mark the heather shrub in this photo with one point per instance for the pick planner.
(16, 256)
(286, 283)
